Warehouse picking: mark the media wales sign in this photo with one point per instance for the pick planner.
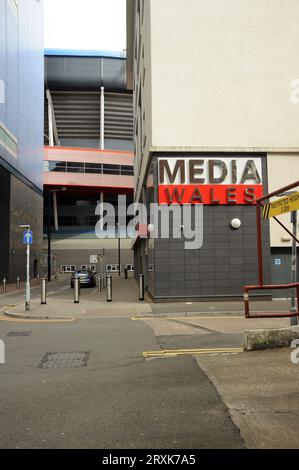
(210, 181)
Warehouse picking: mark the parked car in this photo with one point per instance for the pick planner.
(87, 278)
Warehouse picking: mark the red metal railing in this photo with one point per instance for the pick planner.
(261, 286)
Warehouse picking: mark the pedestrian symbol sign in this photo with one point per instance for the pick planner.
(27, 237)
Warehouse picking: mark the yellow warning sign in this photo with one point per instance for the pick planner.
(281, 206)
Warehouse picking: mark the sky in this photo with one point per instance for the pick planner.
(85, 24)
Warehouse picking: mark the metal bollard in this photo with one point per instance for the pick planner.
(126, 273)
(77, 291)
(37, 279)
(18, 284)
(104, 280)
(100, 283)
(141, 287)
(4, 285)
(109, 288)
(44, 291)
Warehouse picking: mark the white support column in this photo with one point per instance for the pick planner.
(50, 119)
(102, 118)
(102, 202)
(53, 132)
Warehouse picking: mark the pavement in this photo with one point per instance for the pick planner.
(14, 297)
(13, 288)
(125, 302)
(261, 392)
(128, 375)
(60, 302)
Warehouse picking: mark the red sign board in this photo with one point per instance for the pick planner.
(210, 181)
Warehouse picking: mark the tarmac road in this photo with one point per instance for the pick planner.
(119, 400)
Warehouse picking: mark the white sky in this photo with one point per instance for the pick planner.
(85, 24)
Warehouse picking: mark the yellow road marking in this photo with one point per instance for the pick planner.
(191, 352)
(28, 320)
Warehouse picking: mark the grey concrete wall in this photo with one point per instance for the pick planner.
(4, 221)
(26, 207)
(82, 257)
(226, 262)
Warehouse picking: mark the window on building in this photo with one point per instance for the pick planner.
(68, 269)
(111, 169)
(113, 268)
(130, 268)
(75, 167)
(88, 168)
(93, 168)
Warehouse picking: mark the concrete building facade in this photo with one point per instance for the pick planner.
(213, 81)
(21, 133)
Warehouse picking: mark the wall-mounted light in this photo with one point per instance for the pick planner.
(13, 252)
(236, 223)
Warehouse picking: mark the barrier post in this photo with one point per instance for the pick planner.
(77, 291)
(44, 291)
(141, 287)
(109, 288)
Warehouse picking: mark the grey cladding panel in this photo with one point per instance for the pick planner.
(85, 73)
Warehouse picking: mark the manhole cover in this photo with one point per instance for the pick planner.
(64, 360)
(19, 333)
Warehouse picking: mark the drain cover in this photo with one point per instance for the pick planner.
(19, 333)
(64, 360)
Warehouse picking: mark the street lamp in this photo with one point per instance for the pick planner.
(50, 192)
(27, 299)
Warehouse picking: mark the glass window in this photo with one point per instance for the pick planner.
(56, 166)
(127, 170)
(75, 167)
(68, 269)
(111, 169)
(93, 168)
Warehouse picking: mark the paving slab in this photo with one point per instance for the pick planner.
(261, 391)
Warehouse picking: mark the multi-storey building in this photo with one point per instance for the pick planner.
(21, 133)
(214, 92)
(88, 154)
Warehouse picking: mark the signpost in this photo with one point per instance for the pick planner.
(284, 205)
(27, 240)
(281, 206)
(294, 219)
